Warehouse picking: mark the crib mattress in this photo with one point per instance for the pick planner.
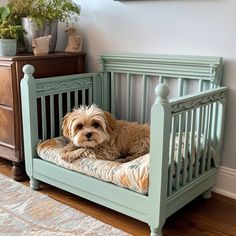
(132, 175)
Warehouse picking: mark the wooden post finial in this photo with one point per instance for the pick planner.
(28, 69)
(162, 92)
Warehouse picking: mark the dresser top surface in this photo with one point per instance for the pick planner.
(25, 56)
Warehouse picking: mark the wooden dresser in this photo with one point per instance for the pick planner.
(54, 64)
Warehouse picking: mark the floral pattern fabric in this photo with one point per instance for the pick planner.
(133, 174)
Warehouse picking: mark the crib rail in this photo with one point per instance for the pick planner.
(166, 65)
(56, 96)
(195, 136)
(59, 95)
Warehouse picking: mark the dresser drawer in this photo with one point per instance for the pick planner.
(7, 137)
(6, 97)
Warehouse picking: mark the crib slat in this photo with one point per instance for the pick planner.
(198, 143)
(214, 130)
(68, 102)
(192, 144)
(129, 98)
(83, 97)
(179, 156)
(186, 147)
(205, 134)
(44, 124)
(144, 100)
(172, 154)
(76, 99)
(90, 94)
(113, 93)
(161, 79)
(180, 86)
(200, 85)
(203, 119)
(52, 116)
(209, 135)
(60, 113)
(212, 86)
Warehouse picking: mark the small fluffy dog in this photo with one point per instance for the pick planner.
(96, 133)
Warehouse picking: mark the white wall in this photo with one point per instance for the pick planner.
(3, 2)
(198, 27)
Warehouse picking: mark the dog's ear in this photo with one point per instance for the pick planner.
(111, 121)
(65, 125)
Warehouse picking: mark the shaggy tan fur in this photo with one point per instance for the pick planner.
(95, 133)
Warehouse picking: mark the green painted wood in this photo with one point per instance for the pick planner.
(180, 86)
(144, 100)
(97, 89)
(163, 198)
(186, 147)
(29, 119)
(106, 93)
(179, 155)
(34, 183)
(190, 191)
(113, 93)
(76, 101)
(205, 133)
(192, 144)
(172, 152)
(123, 200)
(44, 125)
(198, 141)
(220, 130)
(194, 67)
(161, 79)
(60, 110)
(90, 96)
(159, 148)
(52, 117)
(200, 85)
(129, 97)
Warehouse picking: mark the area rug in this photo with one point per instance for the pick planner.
(24, 212)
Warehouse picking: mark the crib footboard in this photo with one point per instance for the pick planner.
(186, 140)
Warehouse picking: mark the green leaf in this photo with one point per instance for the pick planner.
(5, 12)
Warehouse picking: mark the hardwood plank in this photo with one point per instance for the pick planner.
(214, 217)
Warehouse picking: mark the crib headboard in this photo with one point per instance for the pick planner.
(129, 80)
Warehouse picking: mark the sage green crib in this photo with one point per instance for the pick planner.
(135, 87)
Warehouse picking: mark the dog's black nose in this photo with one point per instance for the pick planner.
(89, 135)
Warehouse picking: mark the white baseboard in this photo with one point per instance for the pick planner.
(226, 182)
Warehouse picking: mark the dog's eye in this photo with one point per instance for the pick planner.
(80, 126)
(95, 125)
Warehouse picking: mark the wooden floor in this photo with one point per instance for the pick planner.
(213, 217)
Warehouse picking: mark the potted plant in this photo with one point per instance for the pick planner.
(40, 17)
(10, 31)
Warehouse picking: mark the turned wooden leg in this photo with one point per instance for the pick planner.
(207, 194)
(34, 183)
(18, 171)
(155, 232)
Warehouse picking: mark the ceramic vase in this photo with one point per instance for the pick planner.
(49, 28)
(8, 47)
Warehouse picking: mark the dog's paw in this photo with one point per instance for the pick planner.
(123, 160)
(68, 157)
